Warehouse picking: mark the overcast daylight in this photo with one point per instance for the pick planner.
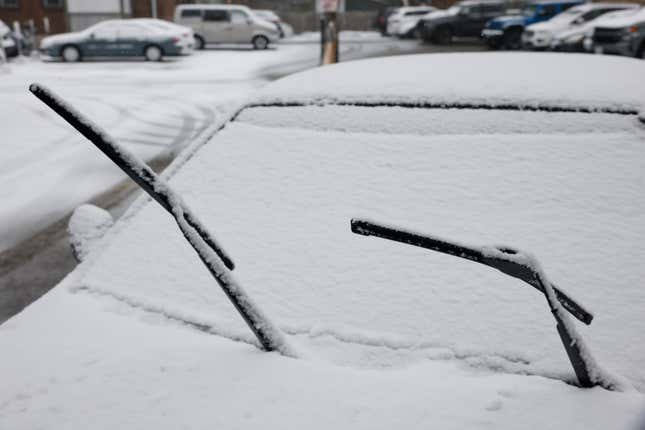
(322, 214)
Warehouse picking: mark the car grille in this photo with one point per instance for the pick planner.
(607, 35)
(528, 33)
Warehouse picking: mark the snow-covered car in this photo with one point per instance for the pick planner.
(540, 35)
(116, 38)
(403, 22)
(385, 335)
(622, 35)
(8, 41)
(573, 39)
(185, 33)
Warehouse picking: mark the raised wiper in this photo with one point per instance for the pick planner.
(518, 265)
(210, 253)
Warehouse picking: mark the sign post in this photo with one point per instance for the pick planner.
(328, 11)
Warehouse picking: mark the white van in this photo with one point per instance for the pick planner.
(218, 23)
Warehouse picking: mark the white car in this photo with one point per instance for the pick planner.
(573, 39)
(540, 35)
(403, 22)
(385, 335)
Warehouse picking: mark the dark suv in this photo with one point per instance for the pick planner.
(464, 19)
(623, 37)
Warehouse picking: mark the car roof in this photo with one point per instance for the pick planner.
(501, 79)
(212, 6)
(556, 2)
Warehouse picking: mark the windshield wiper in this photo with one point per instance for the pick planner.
(518, 265)
(216, 260)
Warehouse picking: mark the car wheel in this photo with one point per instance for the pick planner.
(443, 35)
(199, 42)
(641, 52)
(153, 53)
(260, 42)
(71, 54)
(512, 38)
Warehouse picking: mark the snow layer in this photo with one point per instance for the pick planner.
(86, 226)
(282, 199)
(521, 79)
(119, 368)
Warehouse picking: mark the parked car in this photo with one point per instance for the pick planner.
(536, 150)
(623, 35)
(381, 19)
(403, 22)
(226, 24)
(464, 19)
(573, 39)
(8, 40)
(116, 38)
(185, 33)
(506, 31)
(541, 34)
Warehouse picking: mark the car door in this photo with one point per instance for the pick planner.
(241, 27)
(473, 22)
(216, 26)
(132, 38)
(102, 40)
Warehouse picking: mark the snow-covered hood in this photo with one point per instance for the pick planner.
(59, 39)
(438, 14)
(625, 20)
(505, 21)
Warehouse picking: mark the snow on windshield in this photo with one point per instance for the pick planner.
(280, 199)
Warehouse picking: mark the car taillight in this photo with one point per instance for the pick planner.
(633, 29)
(175, 39)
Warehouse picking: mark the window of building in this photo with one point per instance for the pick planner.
(53, 4)
(9, 3)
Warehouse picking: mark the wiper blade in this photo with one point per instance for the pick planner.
(521, 266)
(368, 228)
(210, 253)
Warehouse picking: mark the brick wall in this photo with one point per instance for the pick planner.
(34, 10)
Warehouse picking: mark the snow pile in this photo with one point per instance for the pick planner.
(529, 80)
(86, 226)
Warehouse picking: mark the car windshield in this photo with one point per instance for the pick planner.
(530, 10)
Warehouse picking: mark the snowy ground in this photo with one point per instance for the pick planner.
(46, 169)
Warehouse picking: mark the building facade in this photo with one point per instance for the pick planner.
(46, 16)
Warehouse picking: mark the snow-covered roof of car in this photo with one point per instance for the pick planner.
(523, 80)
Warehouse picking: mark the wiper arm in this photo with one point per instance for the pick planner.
(210, 253)
(518, 265)
(368, 228)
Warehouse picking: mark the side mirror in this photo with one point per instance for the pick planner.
(578, 21)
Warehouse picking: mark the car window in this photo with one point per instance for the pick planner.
(191, 13)
(416, 12)
(133, 31)
(595, 14)
(238, 17)
(216, 15)
(547, 10)
(105, 31)
(491, 9)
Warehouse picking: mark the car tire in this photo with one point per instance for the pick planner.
(199, 42)
(443, 35)
(153, 53)
(70, 54)
(260, 42)
(512, 38)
